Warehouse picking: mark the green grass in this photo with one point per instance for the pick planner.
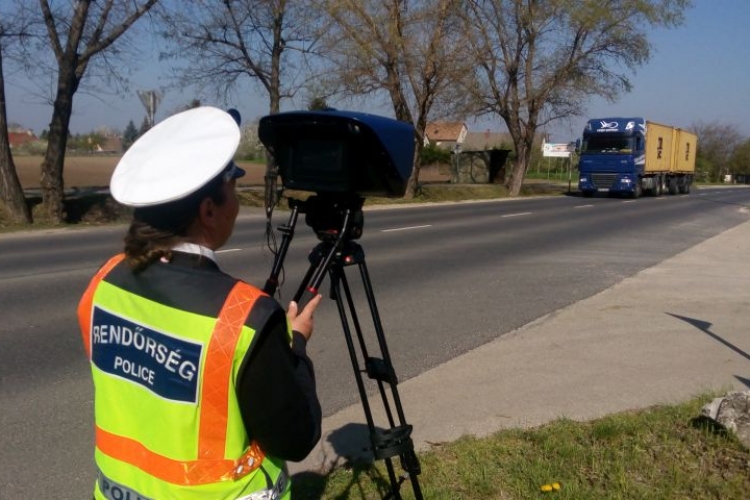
(434, 193)
(664, 452)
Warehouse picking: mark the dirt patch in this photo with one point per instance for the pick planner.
(96, 171)
(78, 172)
(86, 181)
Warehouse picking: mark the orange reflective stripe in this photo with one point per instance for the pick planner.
(210, 464)
(189, 472)
(216, 374)
(87, 300)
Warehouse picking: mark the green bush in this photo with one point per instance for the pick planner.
(434, 154)
(32, 148)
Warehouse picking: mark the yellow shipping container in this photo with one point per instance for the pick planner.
(669, 149)
(685, 151)
(659, 147)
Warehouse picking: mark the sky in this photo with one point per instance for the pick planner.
(698, 73)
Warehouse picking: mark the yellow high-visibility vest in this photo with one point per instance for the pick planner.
(168, 424)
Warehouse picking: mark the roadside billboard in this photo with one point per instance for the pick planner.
(557, 150)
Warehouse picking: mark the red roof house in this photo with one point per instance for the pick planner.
(445, 134)
(17, 139)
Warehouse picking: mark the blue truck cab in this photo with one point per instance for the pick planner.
(612, 156)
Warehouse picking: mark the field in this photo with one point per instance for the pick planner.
(86, 177)
(95, 171)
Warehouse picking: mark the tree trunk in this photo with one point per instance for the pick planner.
(419, 132)
(53, 189)
(523, 141)
(271, 177)
(401, 110)
(413, 183)
(12, 198)
(518, 172)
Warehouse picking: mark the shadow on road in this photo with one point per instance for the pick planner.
(705, 327)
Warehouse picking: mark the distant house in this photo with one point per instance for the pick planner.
(20, 137)
(445, 134)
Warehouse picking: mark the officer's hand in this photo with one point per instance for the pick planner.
(302, 322)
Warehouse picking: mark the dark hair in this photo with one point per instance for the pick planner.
(154, 231)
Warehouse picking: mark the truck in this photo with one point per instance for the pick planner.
(633, 156)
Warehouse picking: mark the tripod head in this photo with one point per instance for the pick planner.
(336, 220)
(331, 214)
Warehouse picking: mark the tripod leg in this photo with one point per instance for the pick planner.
(336, 280)
(409, 460)
(396, 440)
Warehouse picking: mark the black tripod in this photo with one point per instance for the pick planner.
(337, 221)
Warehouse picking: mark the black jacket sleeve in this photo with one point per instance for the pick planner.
(276, 393)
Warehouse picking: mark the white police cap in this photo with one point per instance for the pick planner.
(177, 157)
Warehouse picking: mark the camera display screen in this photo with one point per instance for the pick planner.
(316, 163)
(318, 156)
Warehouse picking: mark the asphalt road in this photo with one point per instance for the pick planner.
(447, 279)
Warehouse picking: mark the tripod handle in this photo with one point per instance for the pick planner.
(306, 296)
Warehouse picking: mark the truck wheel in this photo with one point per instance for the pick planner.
(657, 186)
(672, 185)
(637, 190)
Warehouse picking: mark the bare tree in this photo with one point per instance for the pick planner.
(537, 61)
(77, 32)
(13, 30)
(740, 162)
(225, 42)
(407, 50)
(717, 142)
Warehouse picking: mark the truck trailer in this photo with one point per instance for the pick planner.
(632, 156)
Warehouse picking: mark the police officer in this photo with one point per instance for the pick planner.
(202, 385)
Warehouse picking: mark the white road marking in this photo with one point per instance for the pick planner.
(405, 228)
(517, 215)
(227, 250)
(583, 206)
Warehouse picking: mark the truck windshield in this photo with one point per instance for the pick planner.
(608, 144)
